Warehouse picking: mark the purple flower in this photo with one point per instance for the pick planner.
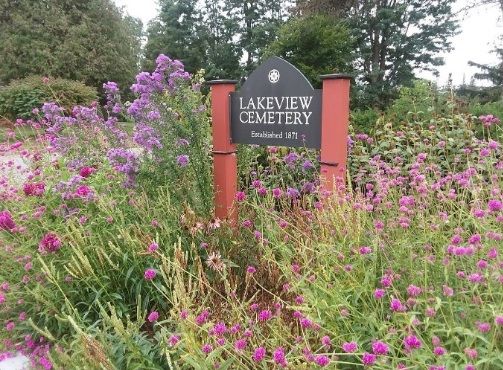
(153, 316)
(290, 159)
(6, 221)
(202, 317)
(411, 342)
(259, 354)
(307, 165)
(207, 348)
(219, 329)
(495, 205)
(240, 196)
(292, 193)
(379, 293)
(396, 305)
(50, 243)
(279, 356)
(34, 189)
(251, 270)
(369, 359)
(86, 171)
(380, 348)
(276, 193)
(413, 290)
(173, 340)
(147, 137)
(240, 344)
(182, 160)
(149, 274)
(350, 347)
(264, 315)
(322, 360)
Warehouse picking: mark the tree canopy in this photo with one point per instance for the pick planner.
(89, 40)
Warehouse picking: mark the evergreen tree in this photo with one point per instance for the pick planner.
(256, 22)
(177, 32)
(223, 54)
(86, 40)
(317, 44)
(393, 38)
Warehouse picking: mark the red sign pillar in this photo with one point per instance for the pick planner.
(224, 152)
(334, 131)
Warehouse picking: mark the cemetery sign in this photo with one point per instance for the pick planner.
(276, 106)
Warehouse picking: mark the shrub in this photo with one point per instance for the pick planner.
(20, 97)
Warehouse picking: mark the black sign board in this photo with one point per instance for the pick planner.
(276, 106)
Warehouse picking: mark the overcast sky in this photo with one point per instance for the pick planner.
(480, 29)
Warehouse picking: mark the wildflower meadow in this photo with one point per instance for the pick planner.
(111, 257)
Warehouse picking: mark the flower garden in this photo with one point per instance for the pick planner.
(112, 259)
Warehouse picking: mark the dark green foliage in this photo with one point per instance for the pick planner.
(393, 39)
(176, 32)
(317, 45)
(20, 97)
(215, 36)
(80, 40)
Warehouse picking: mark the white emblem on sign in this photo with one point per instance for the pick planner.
(273, 76)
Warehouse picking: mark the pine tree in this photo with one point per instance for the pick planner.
(177, 32)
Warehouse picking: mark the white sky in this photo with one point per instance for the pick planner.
(479, 30)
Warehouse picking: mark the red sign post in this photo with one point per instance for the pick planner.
(224, 152)
(278, 106)
(334, 131)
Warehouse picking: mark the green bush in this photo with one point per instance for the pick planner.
(494, 108)
(20, 97)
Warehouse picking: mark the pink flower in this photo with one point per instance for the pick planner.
(279, 357)
(350, 347)
(207, 348)
(325, 341)
(368, 359)
(240, 344)
(86, 171)
(471, 353)
(365, 250)
(483, 327)
(499, 320)
(202, 317)
(396, 305)
(10, 326)
(6, 221)
(149, 274)
(413, 290)
(153, 316)
(173, 340)
(259, 354)
(322, 360)
(50, 243)
(2, 298)
(219, 329)
(251, 270)
(46, 364)
(264, 315)
(380, 348)
(411, 342)
(276, 193)
(153, 247)
(494, 205)
(240, 196)
(448, 292)
(34, 189)
(439, 351)
(379, 293)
